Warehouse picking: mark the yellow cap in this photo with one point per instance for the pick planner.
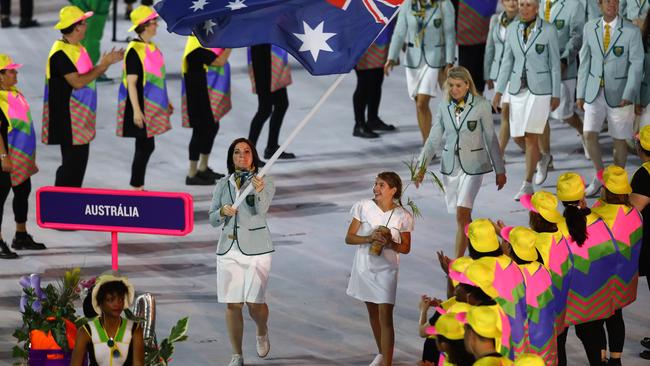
(485, 321)
(481, 274)
(644, 137)
(110, 277)
(615, 180)
(570, 187)
(448, 326)
(523, 240)
(493, 361)
(457, 267)
(70, 15)
(141, 15)
(7, 63)
(529, 359)
(482, 236)
(544, 203)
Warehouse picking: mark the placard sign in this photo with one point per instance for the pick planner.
(161, 213)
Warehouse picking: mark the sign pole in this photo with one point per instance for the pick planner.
(114, 250)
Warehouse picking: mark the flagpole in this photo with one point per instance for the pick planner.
(289, 139)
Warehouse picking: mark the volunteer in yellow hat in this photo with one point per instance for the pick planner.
(143, 104)
(640, 199)
(70, 93)
(483, 334)
(482, 238)
(522, 243)
(626, 226)
(17, 155)
(112, 338)
(449, 333)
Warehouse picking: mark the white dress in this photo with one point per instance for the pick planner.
(241, 277)
(374, 278)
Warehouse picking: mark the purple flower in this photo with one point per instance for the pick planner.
(36, 306)
(25, 281)
(36, 285)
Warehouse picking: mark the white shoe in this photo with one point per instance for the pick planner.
(542, 168)
(526, 188)
(263, 345)
(236, 360)
(594, 187)
(378, 361)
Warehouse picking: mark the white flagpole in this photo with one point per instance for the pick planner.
(289, 139)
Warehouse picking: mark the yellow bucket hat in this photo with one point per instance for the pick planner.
(457, 269)
(7, 63)
(615, 180)
(529, 359)
(544, 203)
(481, 274)
(522, 240)
(141, 15)
(448, 326)
(485, 321)
(70, 15)
(109, 277)
(482, 236)
(644, 138)
(570, 187)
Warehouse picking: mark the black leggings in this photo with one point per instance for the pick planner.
(74, 159)
(202, 139)
(367, 94)
(615, 326)
(592, 336)
(144, 147)
(26, 8)
(274, 105)
(21, 195)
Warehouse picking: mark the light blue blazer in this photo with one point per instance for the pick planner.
(621, 65)
(539, 58)
(438, 45)
(592, 10)
(474, 139)
(568, 16)
(247, 229)
(636, 9)
(494, 48)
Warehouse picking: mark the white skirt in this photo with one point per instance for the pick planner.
(460, 188)
(528, 113)
(422, 80)
(374, 278)
(242, 278)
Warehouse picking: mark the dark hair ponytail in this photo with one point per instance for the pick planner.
(576, 221)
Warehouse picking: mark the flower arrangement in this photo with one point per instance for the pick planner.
(48, 312)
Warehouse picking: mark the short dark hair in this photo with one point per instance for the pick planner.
(231, 150)
(538, 223)
(111, 288)
(475, 254)
(640, 147)
(480, 296)
(71, 28)
(458, 354)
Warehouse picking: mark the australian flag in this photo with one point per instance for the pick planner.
(326, 36)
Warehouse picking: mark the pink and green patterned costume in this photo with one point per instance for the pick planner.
(218, 80)
(83, 101)
(375, 56)
(156, 101)
(21, 136)
(280, 71)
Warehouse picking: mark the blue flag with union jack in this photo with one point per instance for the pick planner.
(326, 36)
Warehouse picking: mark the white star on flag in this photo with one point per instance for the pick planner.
(208, 25)
(236, 5)
(314, 40)
(198, 5)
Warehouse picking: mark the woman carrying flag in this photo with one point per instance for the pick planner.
(143, 106)
(17, 154)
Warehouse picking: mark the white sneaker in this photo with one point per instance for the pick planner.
(594, 187)
(526, 188)
(378, 361)
(236, 360)
(263, 345)
(542, 168)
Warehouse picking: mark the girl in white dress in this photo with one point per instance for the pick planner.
(374, 277)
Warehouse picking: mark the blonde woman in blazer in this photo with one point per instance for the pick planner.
(494, 48)
(471, 148)
(427, 28)
(244, 248)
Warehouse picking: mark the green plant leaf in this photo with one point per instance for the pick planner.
(436, 181)
(18, 352)
(179, 330)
